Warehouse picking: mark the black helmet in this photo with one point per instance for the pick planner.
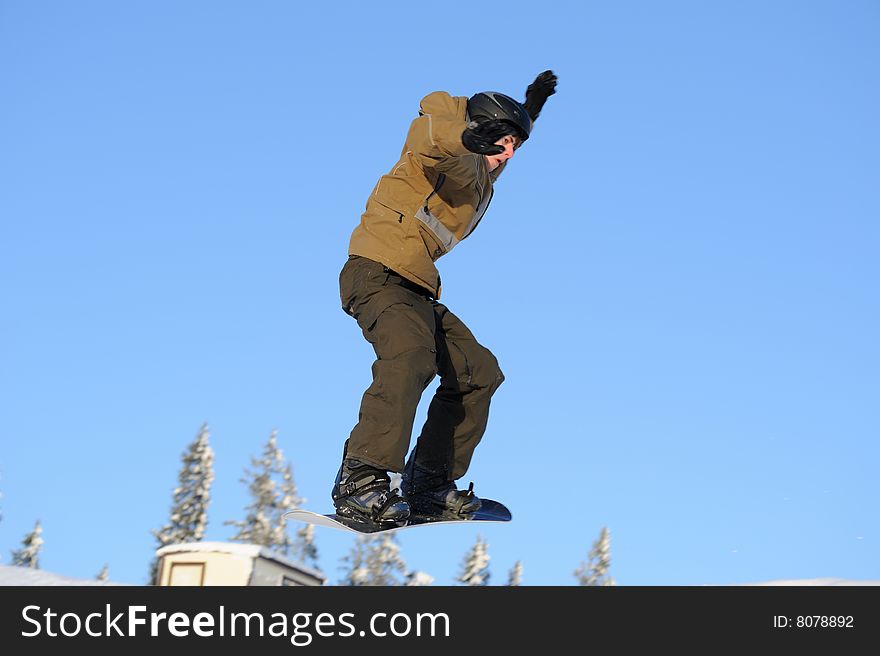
(494, 105)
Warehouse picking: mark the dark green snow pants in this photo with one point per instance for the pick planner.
(414, 338)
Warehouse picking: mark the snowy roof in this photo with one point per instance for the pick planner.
(10, 575)
(249, 550)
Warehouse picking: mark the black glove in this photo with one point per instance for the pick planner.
(480, 137)
(542, 88)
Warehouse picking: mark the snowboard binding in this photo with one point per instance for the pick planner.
(432, 494)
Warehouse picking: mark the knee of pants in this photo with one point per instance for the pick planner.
(420, 363)
(486, 372)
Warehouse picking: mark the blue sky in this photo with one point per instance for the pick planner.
(678, 273)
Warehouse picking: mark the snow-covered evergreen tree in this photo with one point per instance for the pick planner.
(354, 564)
(418, 578)
(104, 574)
(273, 492)
(304, 549)
(475, 568)
(595, 570)
(29, 554)
(189, 509)
(374, 560)
(515, 575)
(385, 563)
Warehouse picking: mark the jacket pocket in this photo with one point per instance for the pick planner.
(387, 212)
(432, 246)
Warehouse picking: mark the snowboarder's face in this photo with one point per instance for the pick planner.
(510, 143)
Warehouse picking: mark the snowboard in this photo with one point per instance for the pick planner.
(490, 511)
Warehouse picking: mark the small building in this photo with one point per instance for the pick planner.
(226, 563)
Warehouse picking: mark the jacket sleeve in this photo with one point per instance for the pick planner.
(435, 139)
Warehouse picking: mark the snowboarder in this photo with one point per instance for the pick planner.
(433, 197)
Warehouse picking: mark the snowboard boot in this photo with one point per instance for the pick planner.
(432, 493)
(363, 493)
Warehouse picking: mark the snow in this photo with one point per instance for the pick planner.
(11, 575)
(419, 578)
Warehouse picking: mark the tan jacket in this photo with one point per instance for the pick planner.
(433, 197)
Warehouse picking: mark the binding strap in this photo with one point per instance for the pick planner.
(364, 481)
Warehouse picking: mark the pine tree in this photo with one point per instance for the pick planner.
(104, 574)
(273, 493)
(29, 554)
(418, 578)
(189, 510)
(515, 575)
(384, 562)
(374, 560)
(475, 568)
(355, 570)
(304, 549)
(594, 571)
